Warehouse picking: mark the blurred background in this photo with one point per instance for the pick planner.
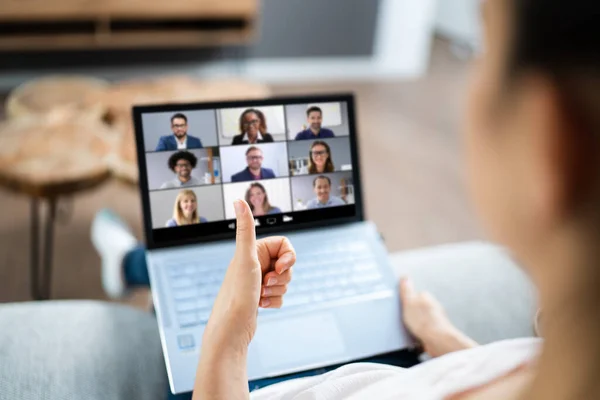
(71, 69)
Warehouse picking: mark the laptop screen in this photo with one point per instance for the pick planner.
(294, 160)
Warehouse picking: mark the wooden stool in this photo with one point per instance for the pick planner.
(60, 94)
(45, 160)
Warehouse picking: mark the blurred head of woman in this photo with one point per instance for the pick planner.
(185, 210)
(533, 123)
(532, 142)
(257, 198)
(320, 158)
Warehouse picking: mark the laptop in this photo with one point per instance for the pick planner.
(342, 304)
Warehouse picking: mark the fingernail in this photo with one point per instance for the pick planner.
(265, 303)
(286, 259)
(271, 281)
(239, 208)
(266, 291)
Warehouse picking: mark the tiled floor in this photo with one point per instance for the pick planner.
(412, 173)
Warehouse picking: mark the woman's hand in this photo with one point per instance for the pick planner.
(426, 319)
(257, 275)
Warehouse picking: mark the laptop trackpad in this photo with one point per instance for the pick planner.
(293, 341)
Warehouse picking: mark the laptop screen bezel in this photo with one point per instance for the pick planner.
(138, 111)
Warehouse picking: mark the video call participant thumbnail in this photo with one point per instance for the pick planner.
(319, 158)
(314, 117)
(253, 128)
(257, 198)
(254, 171)
(179, 140)
(182, 163)
(185, 210)
(322, 188)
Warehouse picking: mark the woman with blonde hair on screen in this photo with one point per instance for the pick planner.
(319, 157)
(185, 210)
(257, 198)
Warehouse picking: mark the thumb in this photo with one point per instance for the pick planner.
(245, 239)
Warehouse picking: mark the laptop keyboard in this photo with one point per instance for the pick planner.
(334, 270)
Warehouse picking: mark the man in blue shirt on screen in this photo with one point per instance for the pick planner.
(254, 171)
(179, 140)
(322, 188)
(314, 116)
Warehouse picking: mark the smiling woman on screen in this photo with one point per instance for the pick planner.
(185, 210)
(253, 128)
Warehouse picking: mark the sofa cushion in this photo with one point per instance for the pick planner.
(79, 350)
(484, 292)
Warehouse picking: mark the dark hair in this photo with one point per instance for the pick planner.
(313, 108)
(263, 121)
(266, 205)
(252, 148)
(261, 117)
(182, 155)
(179, 115)
(312, 168)
(557, 39)
(321, 177)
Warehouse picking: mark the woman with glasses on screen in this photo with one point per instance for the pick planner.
(185, 210)
(320, 158)
(253, 128)
(257, 198)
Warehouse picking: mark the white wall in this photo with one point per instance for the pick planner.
(459, 20)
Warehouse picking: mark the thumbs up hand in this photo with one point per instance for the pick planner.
(258, 275)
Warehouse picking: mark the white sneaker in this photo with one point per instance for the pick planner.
(113, 240)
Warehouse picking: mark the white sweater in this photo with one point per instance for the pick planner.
(434, 379)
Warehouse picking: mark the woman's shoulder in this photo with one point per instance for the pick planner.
(267, 137)
(203, 220)
(171, 223)
(237, 139)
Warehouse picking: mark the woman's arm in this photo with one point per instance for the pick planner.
(221, 372)
(446, 341)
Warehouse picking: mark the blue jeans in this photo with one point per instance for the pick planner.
(136, 274)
